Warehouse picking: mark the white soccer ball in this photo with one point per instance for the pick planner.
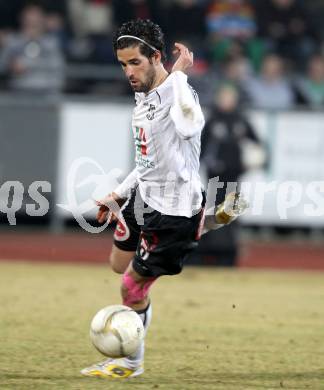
(116, 331)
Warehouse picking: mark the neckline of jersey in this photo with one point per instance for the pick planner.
(165, 83)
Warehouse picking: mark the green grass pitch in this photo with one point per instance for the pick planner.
(211, 329)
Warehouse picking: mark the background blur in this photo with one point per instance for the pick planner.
(65, 111)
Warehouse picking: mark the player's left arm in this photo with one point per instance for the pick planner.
(185, 112)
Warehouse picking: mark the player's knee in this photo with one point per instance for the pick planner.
(135, 291)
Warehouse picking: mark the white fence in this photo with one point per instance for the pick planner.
(96, 139)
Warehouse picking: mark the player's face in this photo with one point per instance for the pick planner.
(140, 72)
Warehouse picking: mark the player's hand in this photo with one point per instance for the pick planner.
(185, 58)
(109, 208)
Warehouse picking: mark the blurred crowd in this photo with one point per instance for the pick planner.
(270, 51)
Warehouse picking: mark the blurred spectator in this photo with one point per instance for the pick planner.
(271, 90)
(92, 25)
(225, 129)
(310, 88)
(56, 25)
(231, 19)
(223, 139)
(287, 28)
(231, 25)
(10, 10)
(90, 16)
(31, 58)
(232, 72)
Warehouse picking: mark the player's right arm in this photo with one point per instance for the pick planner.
(109, 206)
(124, 188)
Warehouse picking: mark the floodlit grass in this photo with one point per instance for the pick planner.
(211, 329)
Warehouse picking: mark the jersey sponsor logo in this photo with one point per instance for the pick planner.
(143, 162)
(140, 141)
(141, 149)
(121, 232)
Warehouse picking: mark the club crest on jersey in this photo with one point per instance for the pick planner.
(151, 112)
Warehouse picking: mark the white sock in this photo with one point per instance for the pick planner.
(133, 361)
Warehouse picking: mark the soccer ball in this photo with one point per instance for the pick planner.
(116, 331)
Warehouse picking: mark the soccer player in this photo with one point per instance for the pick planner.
(162, 200)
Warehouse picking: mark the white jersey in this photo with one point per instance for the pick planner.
(167, 124)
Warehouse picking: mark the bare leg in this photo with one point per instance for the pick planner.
(135, 294)
(134, 289)
(120, 260)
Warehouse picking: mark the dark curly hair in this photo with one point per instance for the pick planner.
(144, 29)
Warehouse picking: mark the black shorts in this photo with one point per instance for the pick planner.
(161, 243)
